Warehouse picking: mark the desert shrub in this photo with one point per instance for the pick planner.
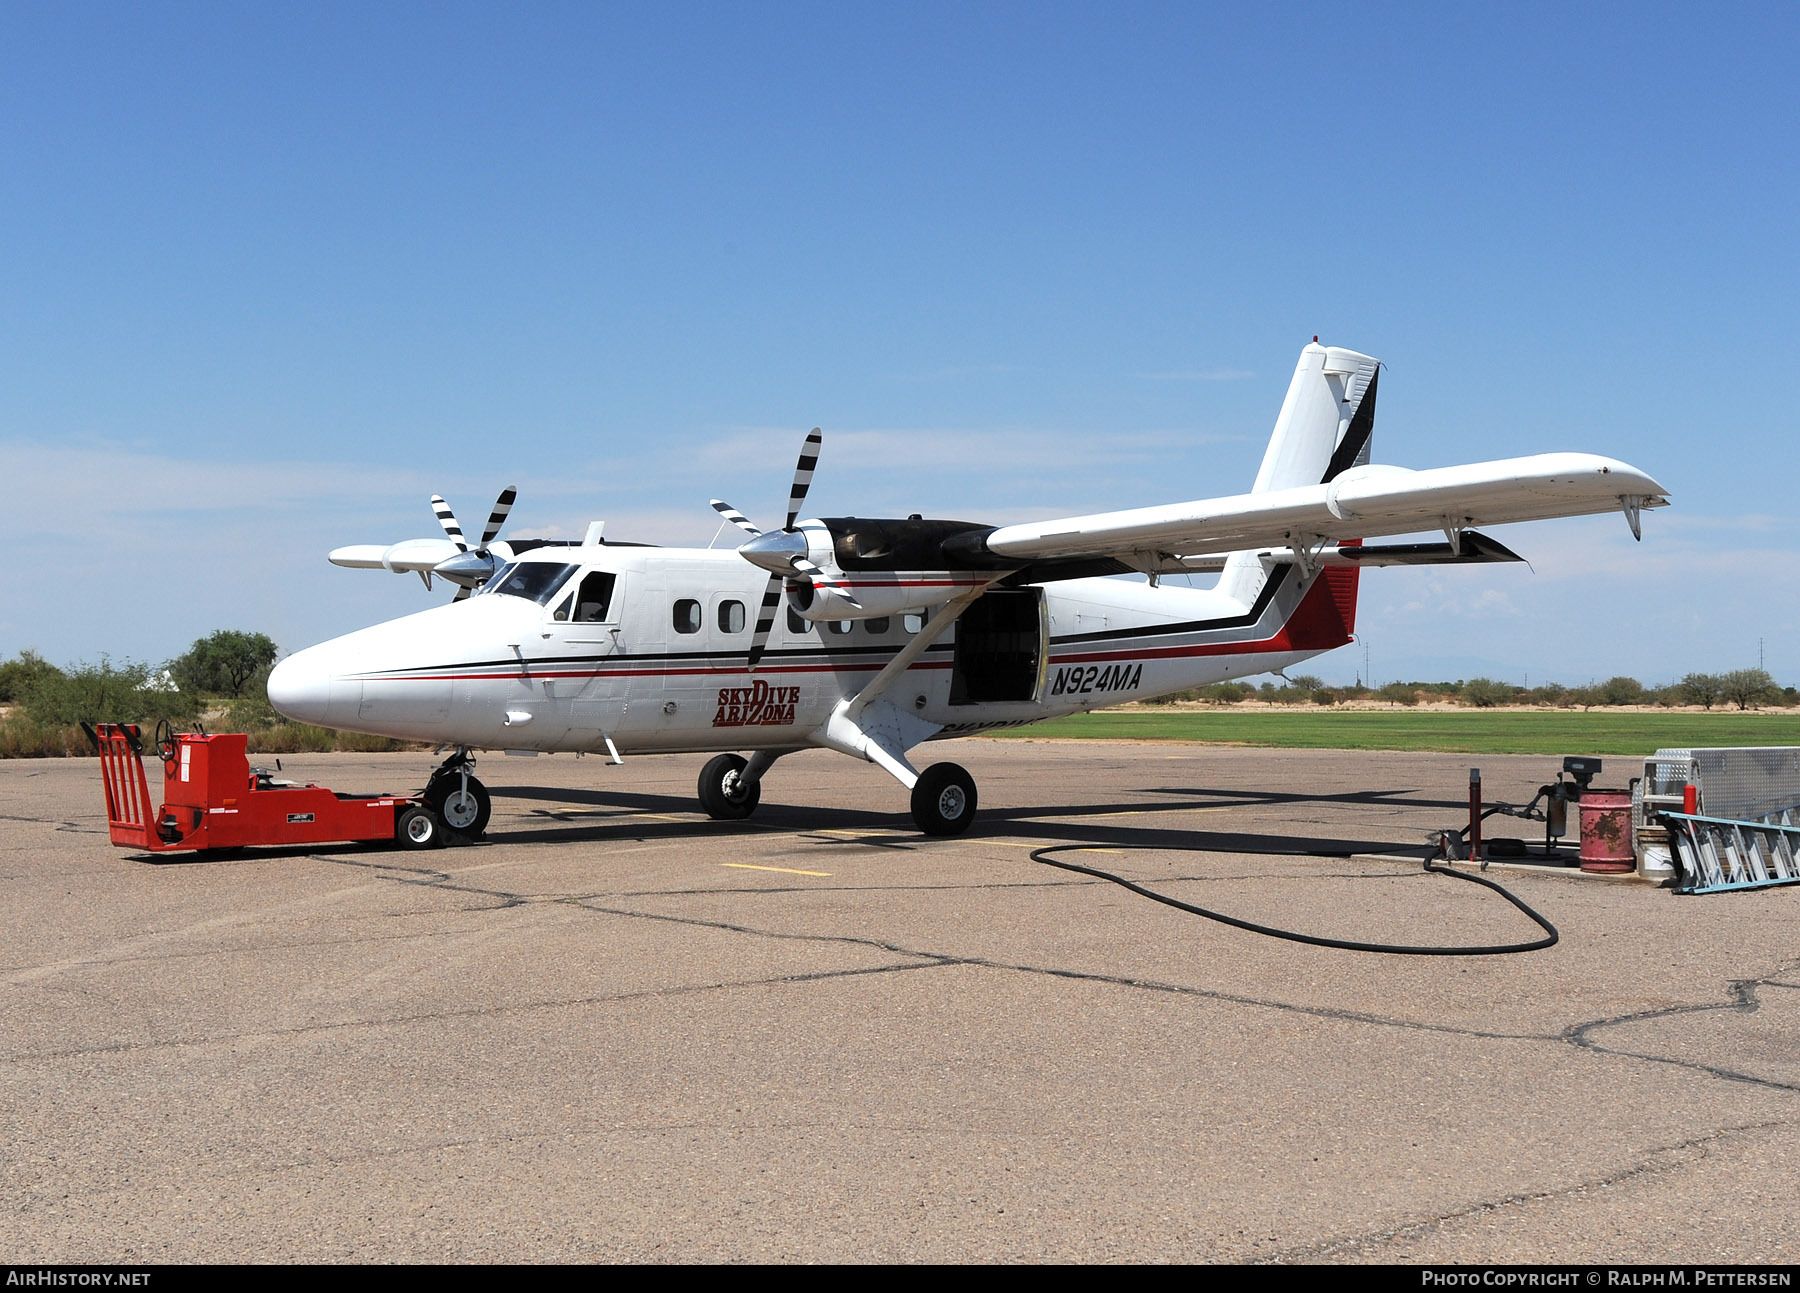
(23, 737)
(1226, 693)
(1399, 693)
(21, 671)
(104, 693)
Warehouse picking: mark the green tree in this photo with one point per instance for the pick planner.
(223, 662)
(1621, 691)
(1748, 688)
(1226, 693)
(1485, 693)
(1703, 689)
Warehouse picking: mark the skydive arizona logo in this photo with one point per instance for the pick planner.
(758, 705)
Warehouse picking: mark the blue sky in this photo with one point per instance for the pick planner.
(270, 278)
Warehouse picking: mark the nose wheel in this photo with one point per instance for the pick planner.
(460, 802)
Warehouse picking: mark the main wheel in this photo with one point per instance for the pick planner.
(465, 812)
(943, 802)
(724, 793)
(418, 828)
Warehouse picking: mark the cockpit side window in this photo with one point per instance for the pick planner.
(535, 581)
(595, 597)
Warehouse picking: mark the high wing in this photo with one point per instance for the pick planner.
(1361, 503)
(1317, 487)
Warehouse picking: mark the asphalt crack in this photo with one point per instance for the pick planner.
(1663, 1158)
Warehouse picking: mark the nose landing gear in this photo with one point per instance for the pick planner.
(460, 801)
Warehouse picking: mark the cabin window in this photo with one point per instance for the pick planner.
(731, 617)
(913, 623)
(687, 616)
(877, 626)
(536, 581)
(595, 597)
(796, 622)
(840, 628)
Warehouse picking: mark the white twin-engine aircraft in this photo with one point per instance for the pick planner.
(872, 636)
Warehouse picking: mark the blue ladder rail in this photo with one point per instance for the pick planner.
(1721, 853)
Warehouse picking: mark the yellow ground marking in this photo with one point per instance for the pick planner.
(751, 866)
(1099, 850)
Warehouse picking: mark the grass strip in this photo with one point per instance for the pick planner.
(1462, 732)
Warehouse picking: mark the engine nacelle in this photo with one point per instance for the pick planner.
(883, 593)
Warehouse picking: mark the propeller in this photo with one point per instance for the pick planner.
(470, 568)
(783, 552)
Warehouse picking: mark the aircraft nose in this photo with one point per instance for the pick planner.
(300, 688)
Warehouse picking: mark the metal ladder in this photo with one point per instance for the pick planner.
(1719, 853)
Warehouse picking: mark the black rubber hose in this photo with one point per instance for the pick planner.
(1392, 949)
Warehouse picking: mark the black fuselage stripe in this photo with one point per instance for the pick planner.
(1255, 613)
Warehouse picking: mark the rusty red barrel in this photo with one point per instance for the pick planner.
(1606, 831)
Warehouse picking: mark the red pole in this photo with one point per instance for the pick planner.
(1474, 814)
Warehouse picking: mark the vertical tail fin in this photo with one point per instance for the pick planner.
(1326, 424)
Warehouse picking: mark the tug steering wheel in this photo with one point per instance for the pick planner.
(165, 740)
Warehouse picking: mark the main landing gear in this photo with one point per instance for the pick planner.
(725, 793)
(460, 802)
(943, 798)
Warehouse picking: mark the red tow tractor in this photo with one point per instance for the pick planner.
(213, 799)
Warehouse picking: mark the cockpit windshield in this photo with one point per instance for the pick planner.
(535, 581)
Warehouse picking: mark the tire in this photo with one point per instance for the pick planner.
(418, 828)
(944, 800)
(466, 815)
(723, 793)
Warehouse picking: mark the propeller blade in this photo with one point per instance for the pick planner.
(736, 517)
(497, 517)
(765, 620)
(447, 519)
(803, 474)
(818, 576)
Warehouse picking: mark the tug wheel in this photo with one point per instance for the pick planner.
(419, 828)
(466, 813)
(724, 793)
(943, 802)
